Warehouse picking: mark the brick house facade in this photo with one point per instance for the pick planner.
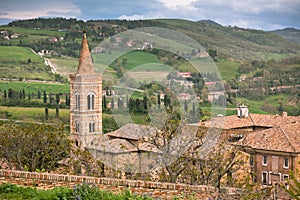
(274, 153)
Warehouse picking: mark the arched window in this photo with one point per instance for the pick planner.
(77, 127)
(77, 102)
(92, 127)
(91, 101)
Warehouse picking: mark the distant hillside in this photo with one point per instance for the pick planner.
(230, 42)
(238, 43)
(22, 63)
(61, 37)
(290, 34)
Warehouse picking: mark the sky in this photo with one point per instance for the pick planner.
(255, 14)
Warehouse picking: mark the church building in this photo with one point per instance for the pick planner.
(85, 100)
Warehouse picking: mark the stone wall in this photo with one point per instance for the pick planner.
(157, 190)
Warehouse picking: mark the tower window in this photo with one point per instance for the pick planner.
(91, 101)
(77, 102)
(77, 127)
(91, 127)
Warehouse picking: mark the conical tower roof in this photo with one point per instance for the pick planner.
(85, 65)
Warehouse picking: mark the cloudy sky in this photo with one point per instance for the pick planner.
(258, 14)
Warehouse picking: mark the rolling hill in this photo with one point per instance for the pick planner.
(231, 43)
(290, 34)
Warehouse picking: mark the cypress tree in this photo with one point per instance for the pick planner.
(57, 111)
(45, 97)
(158, 100)
(57, 98)
(104, 102)
(145, 103)
(46, 113)
(23, 94)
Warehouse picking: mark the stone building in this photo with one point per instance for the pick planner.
(85, 100)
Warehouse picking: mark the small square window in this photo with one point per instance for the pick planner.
(265, 160)
(285, 177)
(286, 162)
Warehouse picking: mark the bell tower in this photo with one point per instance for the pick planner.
(85, 100)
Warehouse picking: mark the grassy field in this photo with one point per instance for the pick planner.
(137, 58)
(270, 104)
(22, 63)
(32, 87)
(27, 31)
(64, 65)
(34, 114)
(29, 36)
(228, 69)
(13, 54)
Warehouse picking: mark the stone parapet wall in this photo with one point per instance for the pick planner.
(157, 190)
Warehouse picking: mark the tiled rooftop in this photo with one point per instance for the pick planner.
(131, 131)
(284, 138)
(116, 146)
(254, 120)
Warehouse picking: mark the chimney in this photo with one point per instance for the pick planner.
(284, 114)
(243, 111)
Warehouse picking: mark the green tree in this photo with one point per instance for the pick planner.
(45, 97)
(158, 100)
(212, 53)
(57, 99)
(104, 102)
(292, 186)
(46, 113)
(34, 146)
(57, 110)
(39, 94)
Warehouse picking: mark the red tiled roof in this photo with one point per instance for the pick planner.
(285, 138)
(254, 120)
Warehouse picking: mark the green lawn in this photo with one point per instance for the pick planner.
(228, 69)
(32, 87)
(13, 54)
(27, 31)
(29, 114)
(137, 58)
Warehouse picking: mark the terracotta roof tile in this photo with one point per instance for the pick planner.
(284, 138)
(254, 120)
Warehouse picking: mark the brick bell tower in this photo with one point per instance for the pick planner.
(85, 100)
